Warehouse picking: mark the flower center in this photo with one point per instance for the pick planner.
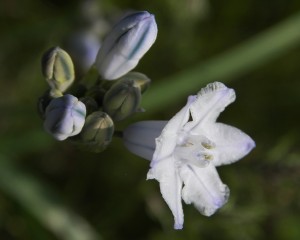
(194, 149)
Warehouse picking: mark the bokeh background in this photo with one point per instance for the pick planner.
(51, 190)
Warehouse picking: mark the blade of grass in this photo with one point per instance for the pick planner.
(39, 201)
(244, 58)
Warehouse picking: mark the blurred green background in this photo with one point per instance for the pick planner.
(51, 190)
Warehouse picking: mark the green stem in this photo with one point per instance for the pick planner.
(227, 66)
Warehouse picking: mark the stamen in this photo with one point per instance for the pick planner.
(208, 144)
(194, 149)
(188, 144)
(208, 157)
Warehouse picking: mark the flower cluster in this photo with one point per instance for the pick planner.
(184, 152)
(85, 110)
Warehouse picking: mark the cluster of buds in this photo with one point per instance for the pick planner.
(86, 110)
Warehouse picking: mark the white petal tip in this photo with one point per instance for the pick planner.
(247, 146)
(178, 226)
(150, 175)
(191, 99)
(209, 211)
(60, 137)
(250, 145)
(218, 87)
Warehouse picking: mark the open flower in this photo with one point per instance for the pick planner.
(187, 150)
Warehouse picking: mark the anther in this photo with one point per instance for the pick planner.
(207, 145)
(208, 157)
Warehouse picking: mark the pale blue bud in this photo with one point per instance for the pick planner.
(64, 117)
(124, 46)
(139, 138)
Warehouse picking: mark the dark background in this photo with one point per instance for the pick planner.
(40, 176)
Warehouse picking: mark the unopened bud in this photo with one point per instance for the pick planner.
(97, 132)
(125, 45)
(58, 69)
(140, 80)
(122, 100)
(64, 117)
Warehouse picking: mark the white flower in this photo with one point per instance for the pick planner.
(64, 117)
(188, 150)
(125, 45)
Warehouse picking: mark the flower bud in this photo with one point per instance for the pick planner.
(64, 117)
(97, 132)
(122, 100)
(140, 80)
(125, 45)
(58, 69)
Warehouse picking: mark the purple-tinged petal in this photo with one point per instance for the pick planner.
(231, 143)
(166, 142)
(211, 101)
(170, 187)
(204, 188)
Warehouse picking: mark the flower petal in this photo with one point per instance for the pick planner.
(139, 138)
(203, 188)
(211, 101)
(177, 122)
(170, 187)
(231, 143)
(163, 165)
(166, 142)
